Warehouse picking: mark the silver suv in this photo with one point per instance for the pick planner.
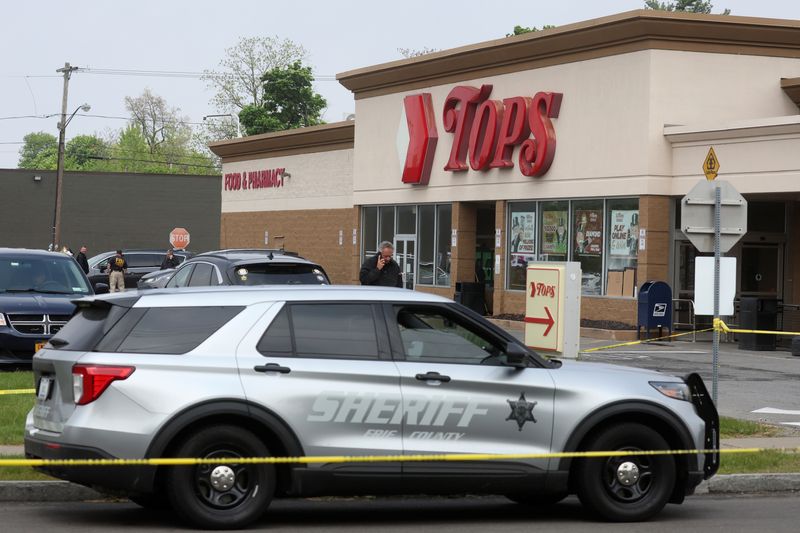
(353, 371)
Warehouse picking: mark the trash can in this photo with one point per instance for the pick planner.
(655, 307)
(471, 295)
(796, 346)
(758, 313)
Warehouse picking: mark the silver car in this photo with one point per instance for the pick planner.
(349, 371)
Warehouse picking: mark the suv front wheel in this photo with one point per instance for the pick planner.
(628, 488)
(225, 495)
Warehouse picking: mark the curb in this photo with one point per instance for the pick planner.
(46, 491)
(749, 483)
(64, 491)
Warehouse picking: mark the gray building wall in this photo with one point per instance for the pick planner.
(106, 211)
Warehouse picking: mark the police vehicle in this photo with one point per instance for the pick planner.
(232, 372)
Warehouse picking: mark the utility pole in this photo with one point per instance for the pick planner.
(62, 127)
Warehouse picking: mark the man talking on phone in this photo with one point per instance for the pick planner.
(381, 269)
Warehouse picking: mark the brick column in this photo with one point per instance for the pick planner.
(462, 259)
(654, 260)
(356, 248)
(500, 273)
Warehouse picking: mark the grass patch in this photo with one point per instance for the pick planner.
(732, 428)
(770, 461)
(14, 408)
(21, 473)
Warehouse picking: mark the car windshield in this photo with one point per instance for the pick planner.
(279, 274)
(47, 275)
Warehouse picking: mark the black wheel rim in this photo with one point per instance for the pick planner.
(633, 492)
(245, 482)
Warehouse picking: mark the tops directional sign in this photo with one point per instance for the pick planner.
(544, 309)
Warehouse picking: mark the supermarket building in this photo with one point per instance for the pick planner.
(575, 144)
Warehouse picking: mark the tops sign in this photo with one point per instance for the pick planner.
(485, 132)
(255, 179)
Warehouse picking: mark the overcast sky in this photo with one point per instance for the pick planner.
(181, 35)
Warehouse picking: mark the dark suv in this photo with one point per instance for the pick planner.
(140, 262)
(239, 267)
(36, 290)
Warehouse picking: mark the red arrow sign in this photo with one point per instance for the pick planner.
(546, 321)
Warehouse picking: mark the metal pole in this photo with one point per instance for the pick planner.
(715, 348)
(62, 127)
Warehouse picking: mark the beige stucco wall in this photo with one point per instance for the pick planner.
(319, 180)
(610, 130)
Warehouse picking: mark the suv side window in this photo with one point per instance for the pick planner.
(435, 335)
(136, 260)
(340, 331)
(181, 277)
(203, 275)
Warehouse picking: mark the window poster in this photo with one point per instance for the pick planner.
(624, 239)
(522, 235)
(589, 232)
(554, 232)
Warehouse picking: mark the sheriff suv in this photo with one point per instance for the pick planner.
(234, 372)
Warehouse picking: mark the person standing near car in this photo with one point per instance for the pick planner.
(381, 269)
(117, 267)
(170, 261)
(82, 261)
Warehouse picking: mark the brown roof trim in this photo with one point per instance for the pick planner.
(615, 34)
(791, 86)
(334, 136)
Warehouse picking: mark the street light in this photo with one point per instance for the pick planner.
(62, 129)
(234, 116)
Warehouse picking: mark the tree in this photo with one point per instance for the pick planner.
(84, 151)
(519, 30)
(238, 80)
(159, 123)
(408, 53)
(688, 6)
(39, 151)
(288, 101)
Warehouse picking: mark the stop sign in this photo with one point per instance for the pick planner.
(179, 238)
(697, 215)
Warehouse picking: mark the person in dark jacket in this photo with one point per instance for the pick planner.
(170, 261)
(82, 261)
(381, 269)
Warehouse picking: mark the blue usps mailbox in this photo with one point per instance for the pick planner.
(655, 307)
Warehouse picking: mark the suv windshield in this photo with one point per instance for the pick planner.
(279, 274)
(48, 275)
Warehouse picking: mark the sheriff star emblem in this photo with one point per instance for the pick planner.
(521, 411)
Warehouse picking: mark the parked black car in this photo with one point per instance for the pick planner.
(239, 267)
(140, 262)
(36, 293)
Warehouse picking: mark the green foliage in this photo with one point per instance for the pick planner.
(84, 151)
(40, 151)
(289, 101)
(519, 30)
(687, 6)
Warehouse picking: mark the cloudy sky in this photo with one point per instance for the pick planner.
(190, 36)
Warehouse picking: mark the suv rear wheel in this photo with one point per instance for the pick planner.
(628, 488)
(225, 495)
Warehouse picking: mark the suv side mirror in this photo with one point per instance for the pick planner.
(101, 288)
(516, 356)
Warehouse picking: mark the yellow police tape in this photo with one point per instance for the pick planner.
(645, 341)
(16, 391)
(723, 328)
(190, 461)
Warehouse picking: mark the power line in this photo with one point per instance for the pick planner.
(172, 73)
(149, 161)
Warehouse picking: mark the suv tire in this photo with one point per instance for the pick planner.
(224, 496)
(628, 488)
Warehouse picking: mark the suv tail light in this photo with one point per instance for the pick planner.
(90, 381)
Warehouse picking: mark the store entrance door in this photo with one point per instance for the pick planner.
(405, 247)
(762, 270)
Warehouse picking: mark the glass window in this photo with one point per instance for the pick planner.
(279, 274)
(277, 340)
(201, 277)
(370, 231)
(587, 243)
(521, 242)
(181, 277)
(175, 330)
(769, 217)
(334, 330)
(554, 232)
(143, 260)
(386, 230)
(622, 245)
(85, 329)
(444, 219)
(427, 243)
(434, 335)
(407, 219)
(54, 274)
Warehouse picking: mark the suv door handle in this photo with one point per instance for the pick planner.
(272, 367)
(433, 376)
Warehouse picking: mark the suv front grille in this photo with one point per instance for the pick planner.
(30, 329)
(38, 324)
(26, 318)
(59, 318)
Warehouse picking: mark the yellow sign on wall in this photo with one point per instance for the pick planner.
(544, 307)
(711, 165)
